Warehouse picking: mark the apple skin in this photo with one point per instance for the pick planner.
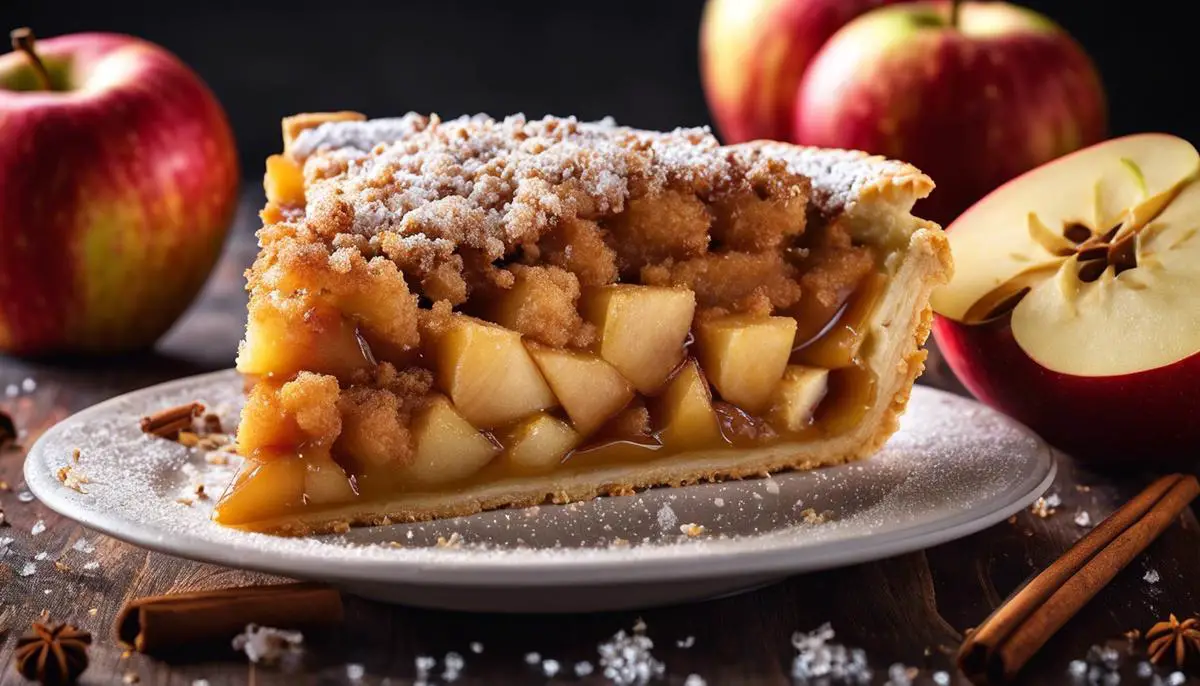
(753, 54)
(972, 105)
(116, 195)
(1121, 421)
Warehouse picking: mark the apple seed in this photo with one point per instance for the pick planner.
(1076, 232)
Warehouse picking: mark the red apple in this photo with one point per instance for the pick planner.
(118, 183)
(972, 93)
(1075, 303)
(753, 54)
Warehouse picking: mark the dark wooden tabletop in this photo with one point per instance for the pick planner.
(910, 610)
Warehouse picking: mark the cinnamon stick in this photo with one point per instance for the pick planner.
(998, 649)
(170, 623)
(169, 422)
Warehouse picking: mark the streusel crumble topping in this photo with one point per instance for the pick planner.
(451, 208)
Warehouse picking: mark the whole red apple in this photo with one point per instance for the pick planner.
(972, 93)
(118, 182)
(753, 54)
(1075, 303)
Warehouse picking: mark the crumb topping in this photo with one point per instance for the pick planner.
(452, 205)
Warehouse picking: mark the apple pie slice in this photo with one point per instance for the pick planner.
(452, 316)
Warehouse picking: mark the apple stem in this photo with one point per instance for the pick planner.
(22, 41)
(955, 12)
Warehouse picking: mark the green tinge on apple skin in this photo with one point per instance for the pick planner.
(894, 23)
(23, 77)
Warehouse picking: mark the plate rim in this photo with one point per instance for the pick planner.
(720, 559)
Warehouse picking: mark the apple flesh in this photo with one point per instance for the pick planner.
(972, 101)
(1074, 307)
(135, 157)
(797, 396)
(539, 443)
(325, 482)
(745, 356)
(487, 372)
(589, 389)
(261, 491)
(642, 330)
(753, 54)
(448, 447)
(686, 412)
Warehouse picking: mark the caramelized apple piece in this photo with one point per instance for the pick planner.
(540, 442)
(744, 356)
(284, 182)
(322, 341)
(839, 342)
(448, 447)
(590, 389)
(263, 490)
(797, 396)
(642, 330)
(325, 482)
(686, 412)
(487, 372)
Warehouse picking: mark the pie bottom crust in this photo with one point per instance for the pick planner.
(894, 355)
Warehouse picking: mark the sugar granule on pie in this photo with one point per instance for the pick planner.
(268, 645)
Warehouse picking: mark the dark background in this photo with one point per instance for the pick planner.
(634, 60)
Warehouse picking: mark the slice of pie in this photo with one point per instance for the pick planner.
(452, 316)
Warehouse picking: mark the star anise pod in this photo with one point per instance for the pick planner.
(1182, 636)
(53, 655)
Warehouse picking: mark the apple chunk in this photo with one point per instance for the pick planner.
(744, 356)
(263, 490)
(281, 343)
(284, 182)
(686, 413)
(590, 389)
(448, 447)
(797, 396)
(540, 442)
(325, 481)
(642, 330)
(488, 374)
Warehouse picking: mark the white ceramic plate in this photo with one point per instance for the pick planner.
(955, 467)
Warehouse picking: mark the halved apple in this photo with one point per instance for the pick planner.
(540, 442)
(487, 372)
(1075, 303)
(744, 356)
(448, 447)
(685, 411)
(642, 329)
(589, 389)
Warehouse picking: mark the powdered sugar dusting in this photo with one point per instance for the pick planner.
(493, 183)
(950, 457)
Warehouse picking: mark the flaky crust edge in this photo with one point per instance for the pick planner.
(878, 187)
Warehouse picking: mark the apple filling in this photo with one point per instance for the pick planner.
(400, 354)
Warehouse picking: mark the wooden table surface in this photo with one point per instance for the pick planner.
(912, 609)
